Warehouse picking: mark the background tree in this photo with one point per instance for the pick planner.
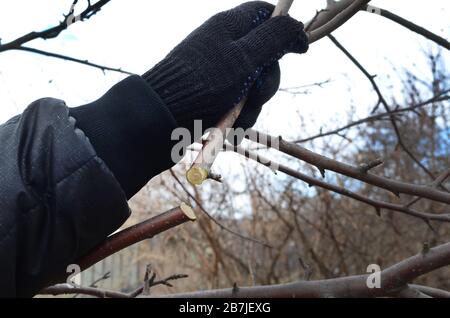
(379, 196)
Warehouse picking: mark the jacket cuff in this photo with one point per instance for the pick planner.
(130, 128)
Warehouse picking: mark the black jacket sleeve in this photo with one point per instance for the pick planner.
(58, 196)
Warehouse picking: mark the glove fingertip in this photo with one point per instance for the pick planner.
(292, 30)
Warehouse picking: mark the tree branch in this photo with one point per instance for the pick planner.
(324, 163)
(209, 216)
(53, 32)
(198, 173)
(68, 289)
(137, 233)
(433, 292)
(409, 25)
(377, 204)
(338, 13)
(71, 59)
(435, 99)
(393, 278)
(383, 102)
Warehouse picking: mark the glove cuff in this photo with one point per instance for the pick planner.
(178, 86)
(127, 126)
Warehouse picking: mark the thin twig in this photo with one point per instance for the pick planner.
(68, 289)
(435, 99)
(53, 32)
(383, 102)
(71, 59)
(324, 163)
(377, 204)
(213, 219)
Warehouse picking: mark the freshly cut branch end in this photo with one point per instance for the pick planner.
(196, 175)
(200, 170)
(188, 211)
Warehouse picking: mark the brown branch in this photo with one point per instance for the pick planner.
(409, 25)
(137, 233)
(324, 163)
(377, 204)
(394, 278)
(68, 289)
(393, 281)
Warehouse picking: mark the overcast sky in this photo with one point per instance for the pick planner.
(135, 35)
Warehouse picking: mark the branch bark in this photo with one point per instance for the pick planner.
(377, 204)
(394, 278)
(137, 233)
(324, 163)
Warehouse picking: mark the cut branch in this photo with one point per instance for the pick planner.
(198, 173)
(137, 233)
(201, 167)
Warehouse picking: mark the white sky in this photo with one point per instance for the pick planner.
(135, 35)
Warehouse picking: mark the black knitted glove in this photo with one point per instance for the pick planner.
(232, 55)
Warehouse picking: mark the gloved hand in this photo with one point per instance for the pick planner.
(232, 55)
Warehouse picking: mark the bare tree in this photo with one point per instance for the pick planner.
(381, 202)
